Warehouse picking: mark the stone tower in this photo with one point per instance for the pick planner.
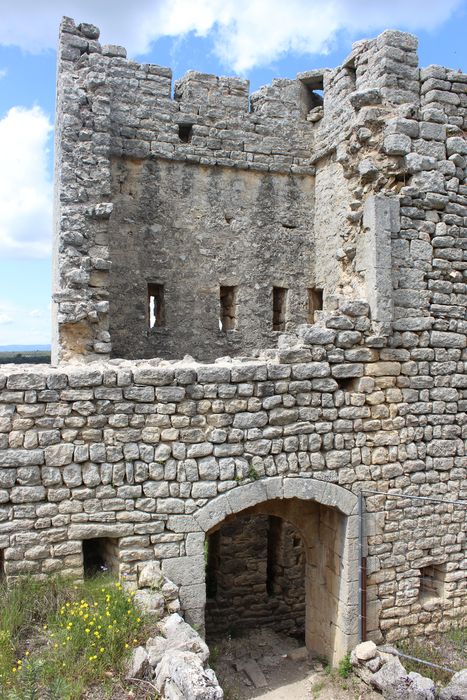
(305, 245)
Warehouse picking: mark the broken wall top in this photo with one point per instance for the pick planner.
(109, 107)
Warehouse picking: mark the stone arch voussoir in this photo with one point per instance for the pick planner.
(269, 488)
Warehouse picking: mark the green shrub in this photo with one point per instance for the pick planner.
(344, 668)
(56, 638)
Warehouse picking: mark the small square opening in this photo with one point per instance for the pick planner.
(185, 132)
(432, 579)
(100, 554)
(156, 306)
(228, 308)
(315, 303)
(312, 92)
(346, 383)
(279, 308)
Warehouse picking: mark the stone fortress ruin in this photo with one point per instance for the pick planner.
(259, 344)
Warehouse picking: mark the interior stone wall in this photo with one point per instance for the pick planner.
(256, 575)
(194, 229)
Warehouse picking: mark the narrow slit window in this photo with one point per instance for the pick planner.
(156, 305)
(352, 75)
(279, 308)
(315, 303)
(228, 309)
(2, 564)
(185, 132)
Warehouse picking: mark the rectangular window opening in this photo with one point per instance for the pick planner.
(315, 303)
(346, 383)
(185, 132)
(432, 579)
(312, 91)
(351, 73)
(100, 554)
(156, 306)
(316, 98)
(228, 309)
(279, 308)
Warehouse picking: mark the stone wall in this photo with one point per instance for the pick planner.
(120, 131)
(267, 190)
(151, 455)
(193, 230)
(144, 177)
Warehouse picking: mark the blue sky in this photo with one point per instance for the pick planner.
(258, 39)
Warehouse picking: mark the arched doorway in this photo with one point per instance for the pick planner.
(324, 515)
(255, 576)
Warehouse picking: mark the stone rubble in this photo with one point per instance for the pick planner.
(384, 672)
(457, 688)
(175, 660)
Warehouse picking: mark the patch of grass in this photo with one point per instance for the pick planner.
(316, 688)
(57, 638)
(344, 668)
(23, 608)
(431, 652)
(253, 474)
(214, 652)
(459, 638)
(230, 694)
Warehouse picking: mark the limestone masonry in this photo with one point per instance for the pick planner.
(259, 313)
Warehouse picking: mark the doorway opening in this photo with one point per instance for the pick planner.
(255, 577)
(283, 565)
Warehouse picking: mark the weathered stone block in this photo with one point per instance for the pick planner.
(58, 455)
(21, 458)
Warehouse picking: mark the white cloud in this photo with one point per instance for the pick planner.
(18, 326)
(245, 33)
(3, 72)
(25, 184)
(36, 313)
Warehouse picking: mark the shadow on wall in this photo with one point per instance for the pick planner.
(255, 577)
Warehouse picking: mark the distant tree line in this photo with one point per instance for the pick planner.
(18, 358)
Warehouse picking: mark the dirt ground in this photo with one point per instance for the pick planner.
(268, 666)
(283, 670)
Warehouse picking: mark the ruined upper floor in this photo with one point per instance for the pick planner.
(198, 219)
